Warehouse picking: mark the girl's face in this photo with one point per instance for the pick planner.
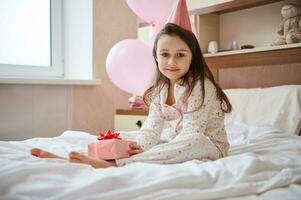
(173, 57)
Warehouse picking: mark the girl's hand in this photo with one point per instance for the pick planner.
(135, 149)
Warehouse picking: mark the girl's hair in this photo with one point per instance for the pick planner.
(198, 69)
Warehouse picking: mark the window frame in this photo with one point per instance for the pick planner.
(56, 69)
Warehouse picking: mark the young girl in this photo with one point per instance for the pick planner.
(184, 94)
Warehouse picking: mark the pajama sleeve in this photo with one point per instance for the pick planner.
(150, 132)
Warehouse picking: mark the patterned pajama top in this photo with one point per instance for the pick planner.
(196, 132)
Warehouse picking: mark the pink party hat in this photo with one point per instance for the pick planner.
(180, 16)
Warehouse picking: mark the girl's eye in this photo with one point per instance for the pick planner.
(164, 54)
(180, 55)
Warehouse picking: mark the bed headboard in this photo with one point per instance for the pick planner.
(257, 69)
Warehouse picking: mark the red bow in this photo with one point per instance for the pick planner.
(108, 135)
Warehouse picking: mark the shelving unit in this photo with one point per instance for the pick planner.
(208, 27)
(212, 24)
(262, 66)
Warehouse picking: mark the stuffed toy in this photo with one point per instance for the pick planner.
(290, 29)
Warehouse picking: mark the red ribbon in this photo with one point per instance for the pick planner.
(108, 135)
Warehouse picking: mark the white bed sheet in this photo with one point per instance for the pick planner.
(265, 166)
(291, 192)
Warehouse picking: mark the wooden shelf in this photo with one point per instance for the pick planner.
(255, 58)
(231, 6)
(257, 49)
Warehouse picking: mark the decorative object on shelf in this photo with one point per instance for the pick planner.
(234, 45)
(109, 146)
(247, 46)
(290, 29)
(136, 102)
(213, 47)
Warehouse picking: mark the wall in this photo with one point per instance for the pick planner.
(28, 111)
(94, 107)
(32, 111)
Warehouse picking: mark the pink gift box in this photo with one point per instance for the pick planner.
(109, 149)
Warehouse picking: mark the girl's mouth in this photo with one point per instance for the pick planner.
(172, 69)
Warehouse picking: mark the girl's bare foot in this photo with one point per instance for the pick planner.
(44, 154)
(76, 157)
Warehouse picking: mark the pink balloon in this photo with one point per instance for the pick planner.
(151, 10)
(131, 66)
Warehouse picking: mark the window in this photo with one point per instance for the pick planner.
(31, 38)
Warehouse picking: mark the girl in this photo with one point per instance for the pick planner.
(184, 94)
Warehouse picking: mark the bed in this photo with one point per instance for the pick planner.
(264, 161)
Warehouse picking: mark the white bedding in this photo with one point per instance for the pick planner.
(264, 166)
(278, 106)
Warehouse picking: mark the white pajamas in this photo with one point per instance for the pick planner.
(196, 132)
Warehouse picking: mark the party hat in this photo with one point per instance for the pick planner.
(180, 16)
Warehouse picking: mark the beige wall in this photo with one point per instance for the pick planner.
(32, 110)
(94, 107)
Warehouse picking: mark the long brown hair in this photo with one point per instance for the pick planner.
(198, 69)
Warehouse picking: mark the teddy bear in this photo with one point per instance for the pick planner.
(290, 28)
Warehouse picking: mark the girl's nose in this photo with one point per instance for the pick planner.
(171, 61)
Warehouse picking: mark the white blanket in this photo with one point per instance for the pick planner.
(268, 162)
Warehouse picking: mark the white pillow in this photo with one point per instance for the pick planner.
(240, 133)
(278, 106)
